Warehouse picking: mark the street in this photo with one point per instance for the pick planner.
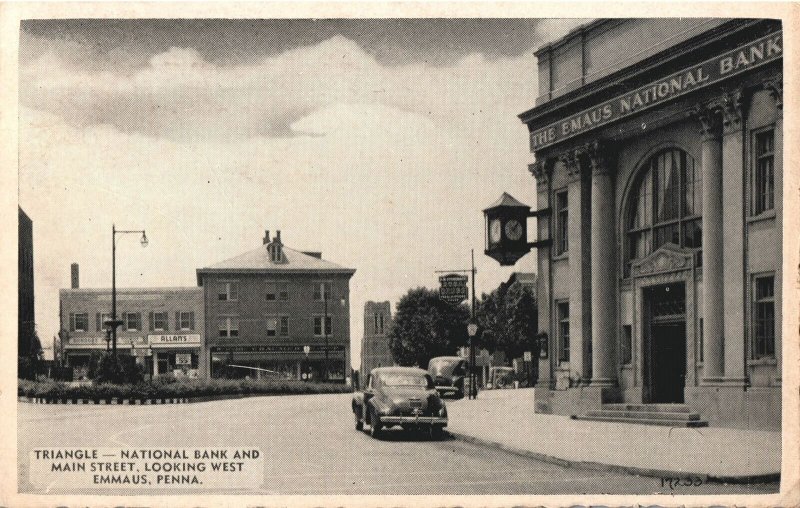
(310, 446)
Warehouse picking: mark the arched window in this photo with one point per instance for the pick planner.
(665, 206)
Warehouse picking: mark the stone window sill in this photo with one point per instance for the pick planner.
(763, 361)
(563, 255)
(769, 214)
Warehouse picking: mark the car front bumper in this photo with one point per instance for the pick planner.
(416, 420)
(446, 389)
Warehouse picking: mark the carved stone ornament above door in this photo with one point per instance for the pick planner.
(667, 258)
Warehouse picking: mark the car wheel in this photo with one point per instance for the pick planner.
(359, 422)
(436, 432)
(374, 424)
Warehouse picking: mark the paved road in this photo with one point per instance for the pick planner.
(311, 447)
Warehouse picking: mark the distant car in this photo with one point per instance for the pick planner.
(448, 374)
(501, 377)
(399, 396)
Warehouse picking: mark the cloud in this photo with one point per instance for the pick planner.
(180, 96)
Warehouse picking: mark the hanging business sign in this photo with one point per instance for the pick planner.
(453, 288)
(736, 61)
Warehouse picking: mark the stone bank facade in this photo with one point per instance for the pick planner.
(658, 147)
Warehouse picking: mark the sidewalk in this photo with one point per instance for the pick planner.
(506, 419)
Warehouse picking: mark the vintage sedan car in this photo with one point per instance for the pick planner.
(400, 396)
(448, 374)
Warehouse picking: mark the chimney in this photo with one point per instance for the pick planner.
(278, 246)
(266, 236)
(75, 276)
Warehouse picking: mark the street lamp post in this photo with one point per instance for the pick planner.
(114, 321)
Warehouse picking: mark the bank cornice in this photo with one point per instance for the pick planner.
(641, 72)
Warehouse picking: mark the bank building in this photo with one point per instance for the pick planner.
(658, 165)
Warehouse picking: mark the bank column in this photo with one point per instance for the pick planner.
(541, 170)
(603, 273)
(733, 238)
(579, 291)
(713, 304)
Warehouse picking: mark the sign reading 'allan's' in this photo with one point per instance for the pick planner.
(760, 51)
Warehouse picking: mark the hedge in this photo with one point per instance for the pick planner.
(174, 389)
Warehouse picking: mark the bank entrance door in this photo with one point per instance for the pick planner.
(666, 340)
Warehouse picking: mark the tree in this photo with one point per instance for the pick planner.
(509, 319)
(425, 327)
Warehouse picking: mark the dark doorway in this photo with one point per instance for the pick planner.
(669, 361)
(666, 307)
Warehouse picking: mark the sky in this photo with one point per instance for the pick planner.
(377, 142)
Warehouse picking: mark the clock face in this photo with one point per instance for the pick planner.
(513, 230)
(495, 231)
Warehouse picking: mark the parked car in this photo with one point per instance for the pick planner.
(399, 396)
(448, 374)
(501, 377)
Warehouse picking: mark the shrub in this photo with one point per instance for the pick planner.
(122, 369)
(175, 388)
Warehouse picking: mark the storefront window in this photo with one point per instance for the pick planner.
(665, 206)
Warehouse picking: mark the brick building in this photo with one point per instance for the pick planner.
(266, 307)
(658, 147)
(165, 323)
(375, 343)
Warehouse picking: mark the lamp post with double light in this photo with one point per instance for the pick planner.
(114, 322)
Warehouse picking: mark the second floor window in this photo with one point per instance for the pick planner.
(80, 322)
(159, 321)
(764, 172)
(228, 327)
(284, 326)
(272, 327)
(227, 292)
(562, 218)
(133, 321)
(318, 326)
(185, 320)
(322, 291)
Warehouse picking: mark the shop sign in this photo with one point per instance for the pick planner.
(736, 61)
(183, 358)
(453, 288)
(141, 352)
(175, 340)
(91, 342)
(276, 349)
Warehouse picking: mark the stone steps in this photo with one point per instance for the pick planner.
(670, 415)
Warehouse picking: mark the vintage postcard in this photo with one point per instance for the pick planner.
(467, 254)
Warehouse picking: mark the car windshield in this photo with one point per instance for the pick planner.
(405, 380)
(442, 365)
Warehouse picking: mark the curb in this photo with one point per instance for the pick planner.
(110, 402)
(614, 468)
